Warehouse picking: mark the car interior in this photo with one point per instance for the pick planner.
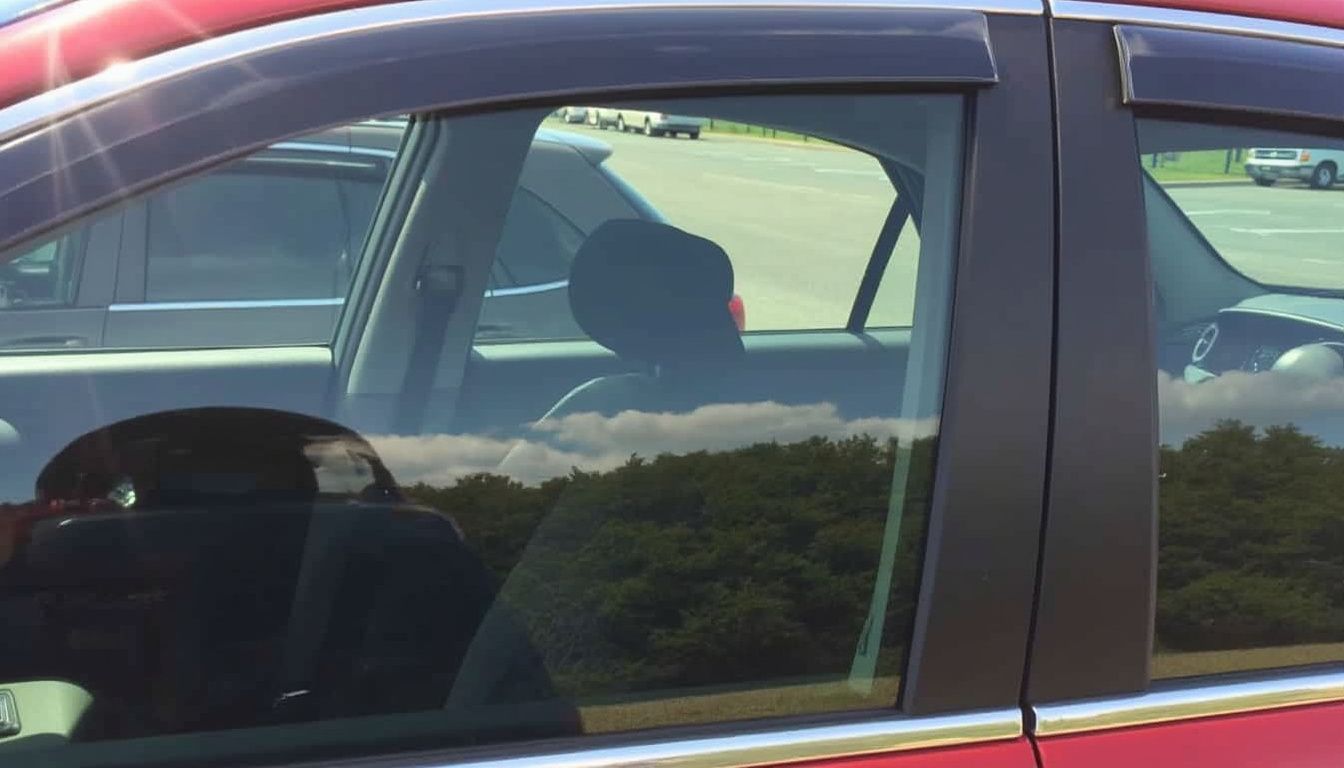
(203, 464)
(1196, 288)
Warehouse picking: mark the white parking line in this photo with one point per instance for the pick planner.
(1268, 232)
(1227, 212)
(1321, 261)
(852, 172)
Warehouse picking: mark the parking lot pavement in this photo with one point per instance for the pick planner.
(1285, 235)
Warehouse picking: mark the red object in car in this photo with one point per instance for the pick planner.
(739, 312)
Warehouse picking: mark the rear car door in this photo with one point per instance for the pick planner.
(221, 552)
(1190, 610)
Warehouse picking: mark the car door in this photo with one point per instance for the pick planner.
(1189, 606)
(236, 554)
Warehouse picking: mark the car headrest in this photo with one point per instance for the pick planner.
(654, 294)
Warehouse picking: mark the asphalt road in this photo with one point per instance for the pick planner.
(1287, 234)
(798, 220)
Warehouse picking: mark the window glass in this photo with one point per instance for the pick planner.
(279, 225)
(43, 277)
(1248, 263)
(806, 212)
(206, 556)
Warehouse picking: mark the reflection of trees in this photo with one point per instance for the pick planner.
(705, 568)
(757, 562)
(1251, 540)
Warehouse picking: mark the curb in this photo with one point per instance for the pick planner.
(1194, 184)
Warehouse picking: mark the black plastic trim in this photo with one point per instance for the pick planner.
(222, 111)
(979, 569)
(1094, 616)
(1178, 67)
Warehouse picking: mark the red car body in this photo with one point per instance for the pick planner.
(82, 38)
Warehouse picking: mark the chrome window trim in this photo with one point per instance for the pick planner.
(341, 149)
(1188, 700)
(169, 306)
(120, 79)
(335, 301)
(773, 747)
(526, 290)
(1085, 10)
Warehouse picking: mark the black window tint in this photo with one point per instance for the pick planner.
(248, 235)
(1248, 262)
(281, 224)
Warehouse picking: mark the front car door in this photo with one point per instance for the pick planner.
(1190, 609)
(313, 551)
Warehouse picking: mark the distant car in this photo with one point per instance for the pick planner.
(1317, 167)
(650, 123)
(573, 114)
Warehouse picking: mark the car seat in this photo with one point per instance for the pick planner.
(658, 297)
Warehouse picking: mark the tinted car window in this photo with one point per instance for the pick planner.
(41, 277)
(1250, 329)
(214, 554)
(537, 245)
(267, 228)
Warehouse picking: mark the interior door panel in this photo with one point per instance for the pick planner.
(508, 385)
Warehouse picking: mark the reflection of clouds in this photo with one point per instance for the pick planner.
(1260, 399)
(594, 442)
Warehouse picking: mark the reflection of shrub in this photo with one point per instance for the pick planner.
(1232, 610)
(698, 569)
(1251, 540)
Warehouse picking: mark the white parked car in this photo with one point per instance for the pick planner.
(651, 123)
(573, 114)
(1318, 167)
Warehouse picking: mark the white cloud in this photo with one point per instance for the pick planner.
(594, 442)
(1261, 399)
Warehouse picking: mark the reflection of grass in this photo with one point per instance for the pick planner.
(1197, 166)
(745, 129)
(1213, 662)
(778, 701)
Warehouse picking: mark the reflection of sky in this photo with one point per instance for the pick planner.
(12, 10)
(1263, 399)
(591, 441)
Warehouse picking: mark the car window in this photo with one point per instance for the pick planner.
(644, 512)
(804, 220)
(278, 225)
(1247, 262)
(42, 277)
(208, 551)
(536, 247)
